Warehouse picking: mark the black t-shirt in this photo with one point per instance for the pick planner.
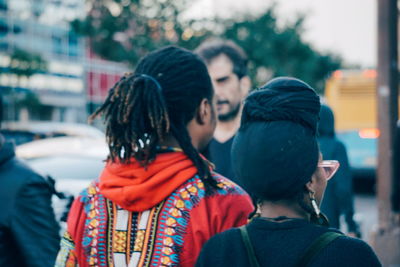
(283, 244)
(220, 155)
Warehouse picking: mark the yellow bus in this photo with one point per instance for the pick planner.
(352, 96)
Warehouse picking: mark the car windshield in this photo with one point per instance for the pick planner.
(68, 167)
(22, 137)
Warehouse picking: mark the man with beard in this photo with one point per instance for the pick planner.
(227, 65)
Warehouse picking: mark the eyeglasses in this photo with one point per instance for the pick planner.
(329, 167)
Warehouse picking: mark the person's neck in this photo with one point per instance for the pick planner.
(170, 141)
(282, 209)
(226, 129)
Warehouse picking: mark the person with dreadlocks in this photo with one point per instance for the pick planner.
(287, 175)
(157, 201)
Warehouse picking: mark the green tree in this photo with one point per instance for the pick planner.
(126, 30)
(275, 51)
(23, 64)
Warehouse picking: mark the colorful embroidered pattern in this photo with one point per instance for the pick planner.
(65, 256)
(116, 237)
(120, 238)
(139, 241)
(94, 238)
(174, 220)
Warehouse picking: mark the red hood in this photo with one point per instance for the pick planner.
(134, 188)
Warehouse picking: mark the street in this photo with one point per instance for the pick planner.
(366, 213)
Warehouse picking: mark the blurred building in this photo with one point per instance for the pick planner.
(74, 81)
(100, 76)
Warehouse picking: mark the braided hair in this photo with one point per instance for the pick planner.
(159, 98)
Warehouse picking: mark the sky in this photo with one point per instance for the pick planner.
(344, 27)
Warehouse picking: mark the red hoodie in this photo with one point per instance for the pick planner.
(158, 216)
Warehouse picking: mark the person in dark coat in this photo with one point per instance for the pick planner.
(277, 160)
(338, 198)
(28, 229)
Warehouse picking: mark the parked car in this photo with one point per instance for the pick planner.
(23, 132)
(73, 162)
(361, 148)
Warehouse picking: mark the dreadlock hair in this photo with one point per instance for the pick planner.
(159, 98)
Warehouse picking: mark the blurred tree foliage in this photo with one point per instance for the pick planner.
(126, 30)
(23, 63)
(275, 51)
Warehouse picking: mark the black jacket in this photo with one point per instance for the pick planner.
(220, 156)
(28, 229)
(338, 197)
(282, 244)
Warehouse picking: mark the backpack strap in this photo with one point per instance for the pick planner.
(321, 242)
(249, 247)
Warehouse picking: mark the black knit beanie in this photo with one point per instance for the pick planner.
(275, 151)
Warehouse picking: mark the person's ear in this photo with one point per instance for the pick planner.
(245, 85)
(203, 112)
(311, 185)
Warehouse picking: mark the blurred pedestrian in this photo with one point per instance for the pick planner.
(396, 182)
(28, 229)
(157, 201)
(284, 169)
(227, 65)
(338, 198)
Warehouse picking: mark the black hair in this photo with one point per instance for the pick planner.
(278, 137)
(159, 98)
(211, 49)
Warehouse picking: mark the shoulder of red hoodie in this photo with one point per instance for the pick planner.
(224, 208)
(207, 212)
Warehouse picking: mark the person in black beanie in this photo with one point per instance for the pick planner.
(277, 159)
